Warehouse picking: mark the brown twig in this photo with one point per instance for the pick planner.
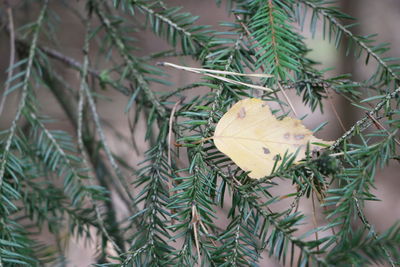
(314, 218)
(170, 124)
(379, 126)
(73, 63)
(67, 60)
(334, 109)
(287, 99)
(171, 121)
(195, 220)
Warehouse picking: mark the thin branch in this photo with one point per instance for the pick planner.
(75, 64)
(294, 205)
(21, 105)
(170, 124)
(131, 62)
(195, 219)
(170, 130)
(67, 103)
(107, 149)
(178, 90)
(249, 197)
(314, 217)
(365, 221)
(273, 34)
(68, 61)
(83, 86)
(276, 58)
(334, 109)
(133, 254)
(288, 99)
(362, 122)
(358, 40)
(170, 23)
(379, 126)
(12, 56)
(218, 93)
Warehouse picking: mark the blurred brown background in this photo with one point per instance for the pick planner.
(381, 17)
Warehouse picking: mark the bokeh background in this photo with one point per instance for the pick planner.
(382, 17)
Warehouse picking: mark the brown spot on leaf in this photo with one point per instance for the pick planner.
(277, 157)
(286, 136)
(266, 151)
(242, 113)
(299, 136)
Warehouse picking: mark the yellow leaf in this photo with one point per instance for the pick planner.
(253, 138)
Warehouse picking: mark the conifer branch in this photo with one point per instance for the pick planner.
(25, 88)
(131, 63)
(106, 147)
(365, 221)
(365, 120)
(170, 23)
(323, 11)
(198, 197)
(177, 195)
(252, 202)
(73, 63)
(118, 244)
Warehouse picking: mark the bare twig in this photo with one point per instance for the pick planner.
(287, 99)
(334, 109)
(314, 218)
(171, 121)
(195, 220)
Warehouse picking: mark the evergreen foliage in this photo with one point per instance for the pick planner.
(68, 182)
